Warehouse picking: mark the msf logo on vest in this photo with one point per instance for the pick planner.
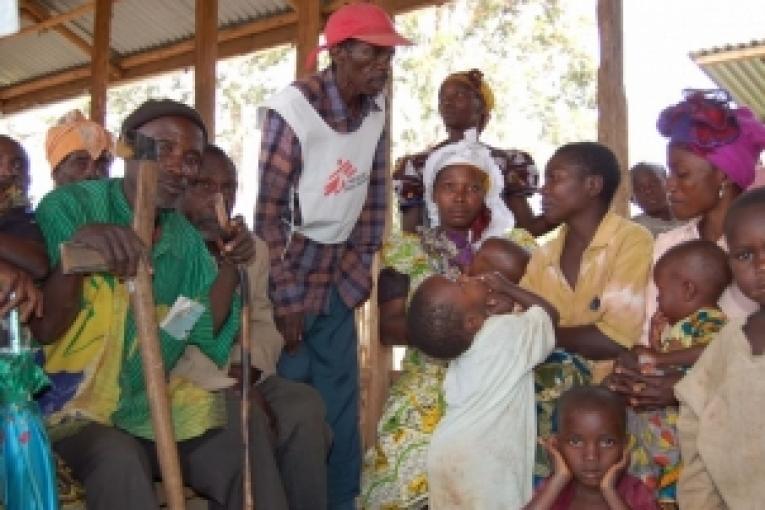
(344, 178)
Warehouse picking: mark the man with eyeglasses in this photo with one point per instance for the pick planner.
(288, 437)
(97, 407)
(78, 149)
(321, 209)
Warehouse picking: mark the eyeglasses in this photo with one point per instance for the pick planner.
(365, 53)
(210, 187)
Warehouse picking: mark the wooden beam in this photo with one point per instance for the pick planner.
(227, 34)
(38, 13)
(379, 358)
(45, 82)
(53, 21)
(99, 64)
(205, 57)
(45, 96)
(612, 102)
(309, 25)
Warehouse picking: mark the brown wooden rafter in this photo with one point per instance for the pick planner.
(40, 14)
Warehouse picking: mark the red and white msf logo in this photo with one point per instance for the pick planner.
(336, 183)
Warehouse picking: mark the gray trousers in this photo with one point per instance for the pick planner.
(290, 469)
(117, 469)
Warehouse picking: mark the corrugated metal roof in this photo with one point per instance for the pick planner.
(738, 68)
(137, 25)
(35, 55)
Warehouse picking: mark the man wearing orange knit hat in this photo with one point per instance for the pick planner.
(78, 149)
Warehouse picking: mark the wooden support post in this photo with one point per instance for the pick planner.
(99, 64)
(205, 57)
(309, 24)
(142, 302)
(377, 363)
(612, 102)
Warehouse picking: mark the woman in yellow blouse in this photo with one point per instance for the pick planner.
(594, 271)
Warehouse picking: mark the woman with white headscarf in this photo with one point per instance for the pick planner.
(463, 200)
(465, 102)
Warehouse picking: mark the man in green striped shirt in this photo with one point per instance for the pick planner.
(97, 407)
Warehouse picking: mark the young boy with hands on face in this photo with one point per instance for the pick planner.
(482, 452)
(590, 457)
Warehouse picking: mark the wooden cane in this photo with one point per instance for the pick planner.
(244, 342)
(142, 301)
(77, 258)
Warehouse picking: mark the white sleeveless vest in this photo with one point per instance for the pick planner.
(333, 184)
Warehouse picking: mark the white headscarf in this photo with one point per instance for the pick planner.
(469, 151)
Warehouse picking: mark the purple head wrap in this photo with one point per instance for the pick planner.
(729, 138)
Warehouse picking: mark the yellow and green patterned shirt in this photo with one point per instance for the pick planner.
(95, 367)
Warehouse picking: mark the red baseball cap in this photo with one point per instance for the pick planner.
(363, 21)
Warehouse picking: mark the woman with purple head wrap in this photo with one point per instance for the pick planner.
(712, 155)
(729, 139)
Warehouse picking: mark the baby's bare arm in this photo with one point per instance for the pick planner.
(680, 357)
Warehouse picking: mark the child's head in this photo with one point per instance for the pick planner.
(444, 315)
(501, 255)
(576, 177)
(745, 233)
(592, 432)
(690, 276)
(649, 187)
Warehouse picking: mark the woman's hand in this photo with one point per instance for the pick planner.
(658, 323)
(628, 360)
(648, 360)
(657, 392)
(643, 391)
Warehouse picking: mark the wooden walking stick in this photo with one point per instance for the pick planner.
(143, 149)
(244, 342)
(244, 285)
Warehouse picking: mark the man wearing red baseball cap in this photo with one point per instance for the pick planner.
(321, 209)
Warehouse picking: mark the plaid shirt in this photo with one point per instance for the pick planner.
(302, 270)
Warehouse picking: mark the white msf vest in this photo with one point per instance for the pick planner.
(333, 184)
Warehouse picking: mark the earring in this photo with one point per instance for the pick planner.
(721, 193)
